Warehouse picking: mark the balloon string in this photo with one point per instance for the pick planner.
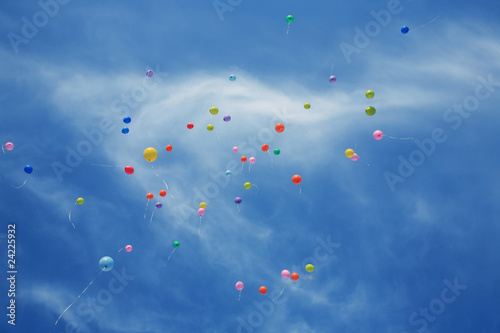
(145, 210)
(3, 149)
(79, 295)
(199, 228)
(243, 163)
(238, 206)
(249, 166)
(71, 220)
(255, 186)
(239, 296)
(331, 72)
(18, 187)
(279, 294)
(217, 135)
(392, 137)
(160, 178)
(288, 28)
(300, 190)
(151, 219)
(434, 19)
(120, 250)
(171, 254)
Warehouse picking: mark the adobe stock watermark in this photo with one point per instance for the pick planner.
(222, 6)
(420, 320)
(30, 28)
(248, 147)
(265, 308)
(91, 306)
(95, 136)
(427, 147)
(372, 29)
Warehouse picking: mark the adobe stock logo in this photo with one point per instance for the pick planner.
(222, 6)
(372, 29)
(40, 19)
(427, 147)
(448, 295)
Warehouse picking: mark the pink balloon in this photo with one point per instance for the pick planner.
(239, 285)
(377, 135)
(235, 149)
(355, 157)
(9, 146)
(201, 211)
(128, 248)
(252, 160)
(285, 274)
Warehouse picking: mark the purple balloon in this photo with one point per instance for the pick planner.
(237, 200)
(149, 73)
(332, 79)
(159, 205)
(227, 118)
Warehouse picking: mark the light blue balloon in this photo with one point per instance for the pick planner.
(232, 77)
(106, 263)
(228, 173)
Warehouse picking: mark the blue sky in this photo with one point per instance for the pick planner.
(403, 240)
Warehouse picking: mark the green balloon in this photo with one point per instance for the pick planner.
(277, 151)
(289, 19)
(370, 94)
(176, 244)
(79, 201)
(370, 110)
(214, 110)
(247, 185)
(210, 127)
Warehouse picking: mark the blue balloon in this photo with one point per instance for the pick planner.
(405, 29)
(237, 200)
(125, 130)
(127, 120)
(228, 173)
(159, 205)
(106, 263)
(28, 169)
(227, 118)
(232, 77)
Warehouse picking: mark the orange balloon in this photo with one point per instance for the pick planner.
(162, 193)
(149, 196)
(265, 147)
(294, 276)
(243, 159)
(279, 127)
(263, 290)
(296, 179)
(169, 148)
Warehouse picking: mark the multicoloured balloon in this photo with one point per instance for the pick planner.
(106, 263)
(150, 154)
(28, 169)
(129, 170)
(370, 110)
(378, 135)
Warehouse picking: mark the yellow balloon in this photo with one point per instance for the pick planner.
(150, 154)
(210, 127)
(203, 205)
(214, 110)
(309, 268)
(307, 106)
(79, 201)
(247, 185)
(349, 152)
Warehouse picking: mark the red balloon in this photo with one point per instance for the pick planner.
(190, 125)
(265, 147)
(149, 196)
(294, 276)
(169, 148)
(129, 170)
(163, 193)
(263, 290)
(296, 179)
(243, 159)
(279, 127)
